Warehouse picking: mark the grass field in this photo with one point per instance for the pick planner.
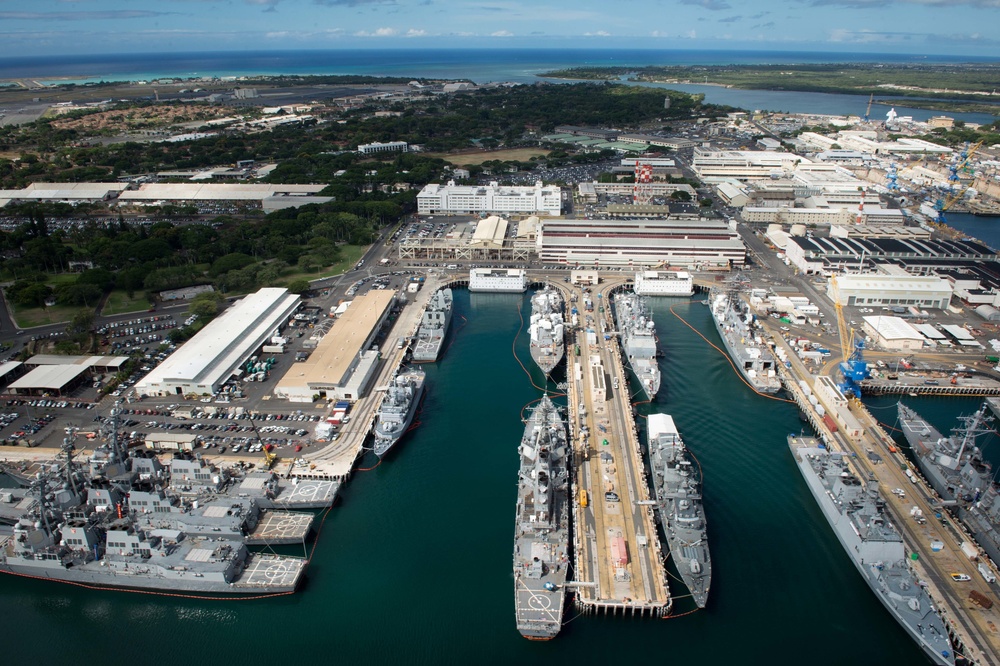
(119, 303)
(350, 256)
(514, 154)
(30, 317)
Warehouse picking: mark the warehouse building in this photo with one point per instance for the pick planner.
(344, 362)
(699, 244)
(55, 380)
(387, 147)
(893, 333)
(247, 193)
(73, 193)
(216, 352)
(713, 166)
(915, 256)
(892, 290)
(452, 199)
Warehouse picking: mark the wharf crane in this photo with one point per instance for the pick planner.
(853, 367)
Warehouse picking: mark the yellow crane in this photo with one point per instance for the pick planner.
(852, 366)
(270, 457)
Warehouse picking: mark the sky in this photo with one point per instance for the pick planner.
(59, 27)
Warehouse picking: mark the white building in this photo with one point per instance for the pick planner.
(890, 290)
(893, 333)
(211, 357)
(664, 283)
(506, 280)
(714, 166)
(493, 198)
(388, 147)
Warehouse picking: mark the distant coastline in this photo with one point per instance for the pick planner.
(479, 65)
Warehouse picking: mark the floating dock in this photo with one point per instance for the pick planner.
(619, 561)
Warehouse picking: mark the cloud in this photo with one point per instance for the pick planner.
(878, 4)
(731, 19)
(379, 32)
(81, 16)
(758, 15)
(599, 33)
(761, 26)
(352, 3)
(711, 5)
(845, 35)
(502, 33)
(413, 32)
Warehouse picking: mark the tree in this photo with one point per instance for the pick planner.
(206, 305)
(299, 286)
(29, 294)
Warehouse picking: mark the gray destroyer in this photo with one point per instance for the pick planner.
(541, 532)
(955, 467)
(858, 517)
(433, 327)
(398, 407)
(748, 350)
(95, 530)
(677, 483)
(638, 334)
(546, 329)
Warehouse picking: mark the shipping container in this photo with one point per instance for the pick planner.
(619, 552)
(970, 550)
(830, 423)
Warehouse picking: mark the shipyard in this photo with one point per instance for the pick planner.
(223, 462)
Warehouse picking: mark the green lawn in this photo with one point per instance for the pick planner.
(119, 303)
(30, 317)
(350, 254)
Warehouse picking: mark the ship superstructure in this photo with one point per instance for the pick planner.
(541, 532)
(677, 483)
(400, 403)
(858, 517)
(546, 329)
(433, 327)
(957, 470)
(638, 335)
(115, 524)
(747, 348)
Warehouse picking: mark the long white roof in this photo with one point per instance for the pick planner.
(225, 341)
(49, 377)
(893, 328)
(215, 191)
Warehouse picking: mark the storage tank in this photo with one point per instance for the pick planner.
(798, 230)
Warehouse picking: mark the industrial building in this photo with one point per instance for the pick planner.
(914, 256)
(453, 199)
(216, 352)
(259, 194)
(823, 217)
(713, 166)
(892, 290)
(664, 283)
(388, 147)
(51, 374)
(63, 192)
(700, 244)
(893, 333)
(344, 362)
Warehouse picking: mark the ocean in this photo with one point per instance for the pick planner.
(478, 65)
(414, 563)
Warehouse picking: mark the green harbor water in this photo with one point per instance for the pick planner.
(413, 566)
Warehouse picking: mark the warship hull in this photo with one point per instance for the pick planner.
(398, 409)
(433, 328)
(541, 534)
(867, 531)
(638, 335)
(546, 330)
(677, 483)
(754, 361)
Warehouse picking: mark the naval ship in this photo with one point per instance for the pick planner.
(638, 333)
(858, 517)
(95, 530)
(398, 407)
(546, 329)
(433, 327)
(541, 534)
(677, 483)
(955, 467)
(748, 351)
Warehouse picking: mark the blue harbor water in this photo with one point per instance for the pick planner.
(479, 65)
(983, 228)
(413, 566)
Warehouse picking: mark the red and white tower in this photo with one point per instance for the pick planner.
(642, 193)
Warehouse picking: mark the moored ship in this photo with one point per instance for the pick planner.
(541, 534)
(748, 350)
(433, 327)
(398, 407)
(638, 335)
(677, 483)
(957, 470)
(546, 329)
(858, 517)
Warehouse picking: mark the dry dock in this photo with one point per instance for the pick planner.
(975, 630)
(619, 562)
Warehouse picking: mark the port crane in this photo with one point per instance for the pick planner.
(853, 367)
(868, 111)
(953, 169)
